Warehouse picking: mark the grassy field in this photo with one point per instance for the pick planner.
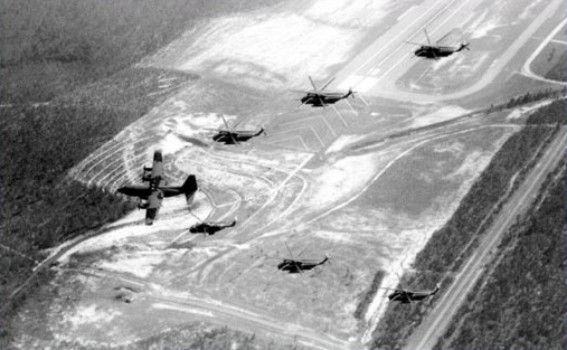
(449, 247)
(521, 304)
(48, 47)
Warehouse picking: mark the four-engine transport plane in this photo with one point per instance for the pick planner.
(437, 51)
(320, 98)
(296, 266)
(152, 195)
(231, 137)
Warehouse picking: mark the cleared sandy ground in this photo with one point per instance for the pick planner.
(369, 208)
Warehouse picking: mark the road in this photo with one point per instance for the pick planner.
(527, 68)
(436, 323)
(245, 320)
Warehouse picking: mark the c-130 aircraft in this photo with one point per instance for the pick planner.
(152, 195)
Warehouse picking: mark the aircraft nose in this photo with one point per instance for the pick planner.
(121, 190)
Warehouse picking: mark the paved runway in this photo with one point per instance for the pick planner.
(376, 70)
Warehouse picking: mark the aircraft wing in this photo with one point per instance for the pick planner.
(135, 191)
(154, 203)
(157, 168)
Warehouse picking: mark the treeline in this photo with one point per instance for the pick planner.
(522, 305)
(450, 246)
(528, 97)
(51, 46)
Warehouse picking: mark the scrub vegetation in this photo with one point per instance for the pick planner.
(450, 246)
(522, 303)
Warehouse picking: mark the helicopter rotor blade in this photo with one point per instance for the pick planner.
(401, 284)
(413, 43)
(322, 102)
(301, 91)
(298, 267)
(306, 101)
(435, 56)
(225, 122)
(328, 83)
(289, 250)
(312, 84)
(427, 36)
(230, 134)
(301, 252)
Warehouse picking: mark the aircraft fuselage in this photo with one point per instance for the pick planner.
(319, 100)
(232, 137)
(296, 266)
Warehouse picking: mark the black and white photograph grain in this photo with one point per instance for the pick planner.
(283, 174)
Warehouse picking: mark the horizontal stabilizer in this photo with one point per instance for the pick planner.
(190, 187)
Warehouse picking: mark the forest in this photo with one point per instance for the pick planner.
(451, 245)
(522, 303)
(49, 47)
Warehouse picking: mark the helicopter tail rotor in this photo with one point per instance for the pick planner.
(464, 46)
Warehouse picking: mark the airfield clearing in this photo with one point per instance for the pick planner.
(369, 208)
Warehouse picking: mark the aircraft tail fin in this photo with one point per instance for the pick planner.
(262, 131)
(190, 187)
(464, 46)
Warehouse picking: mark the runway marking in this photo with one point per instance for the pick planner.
(431, 32)
(391, 41)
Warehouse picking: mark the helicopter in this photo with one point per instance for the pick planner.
(298, 266)
(320, 98)
(232, 137)
(209, 228)
(404, 296)
(437, 51)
